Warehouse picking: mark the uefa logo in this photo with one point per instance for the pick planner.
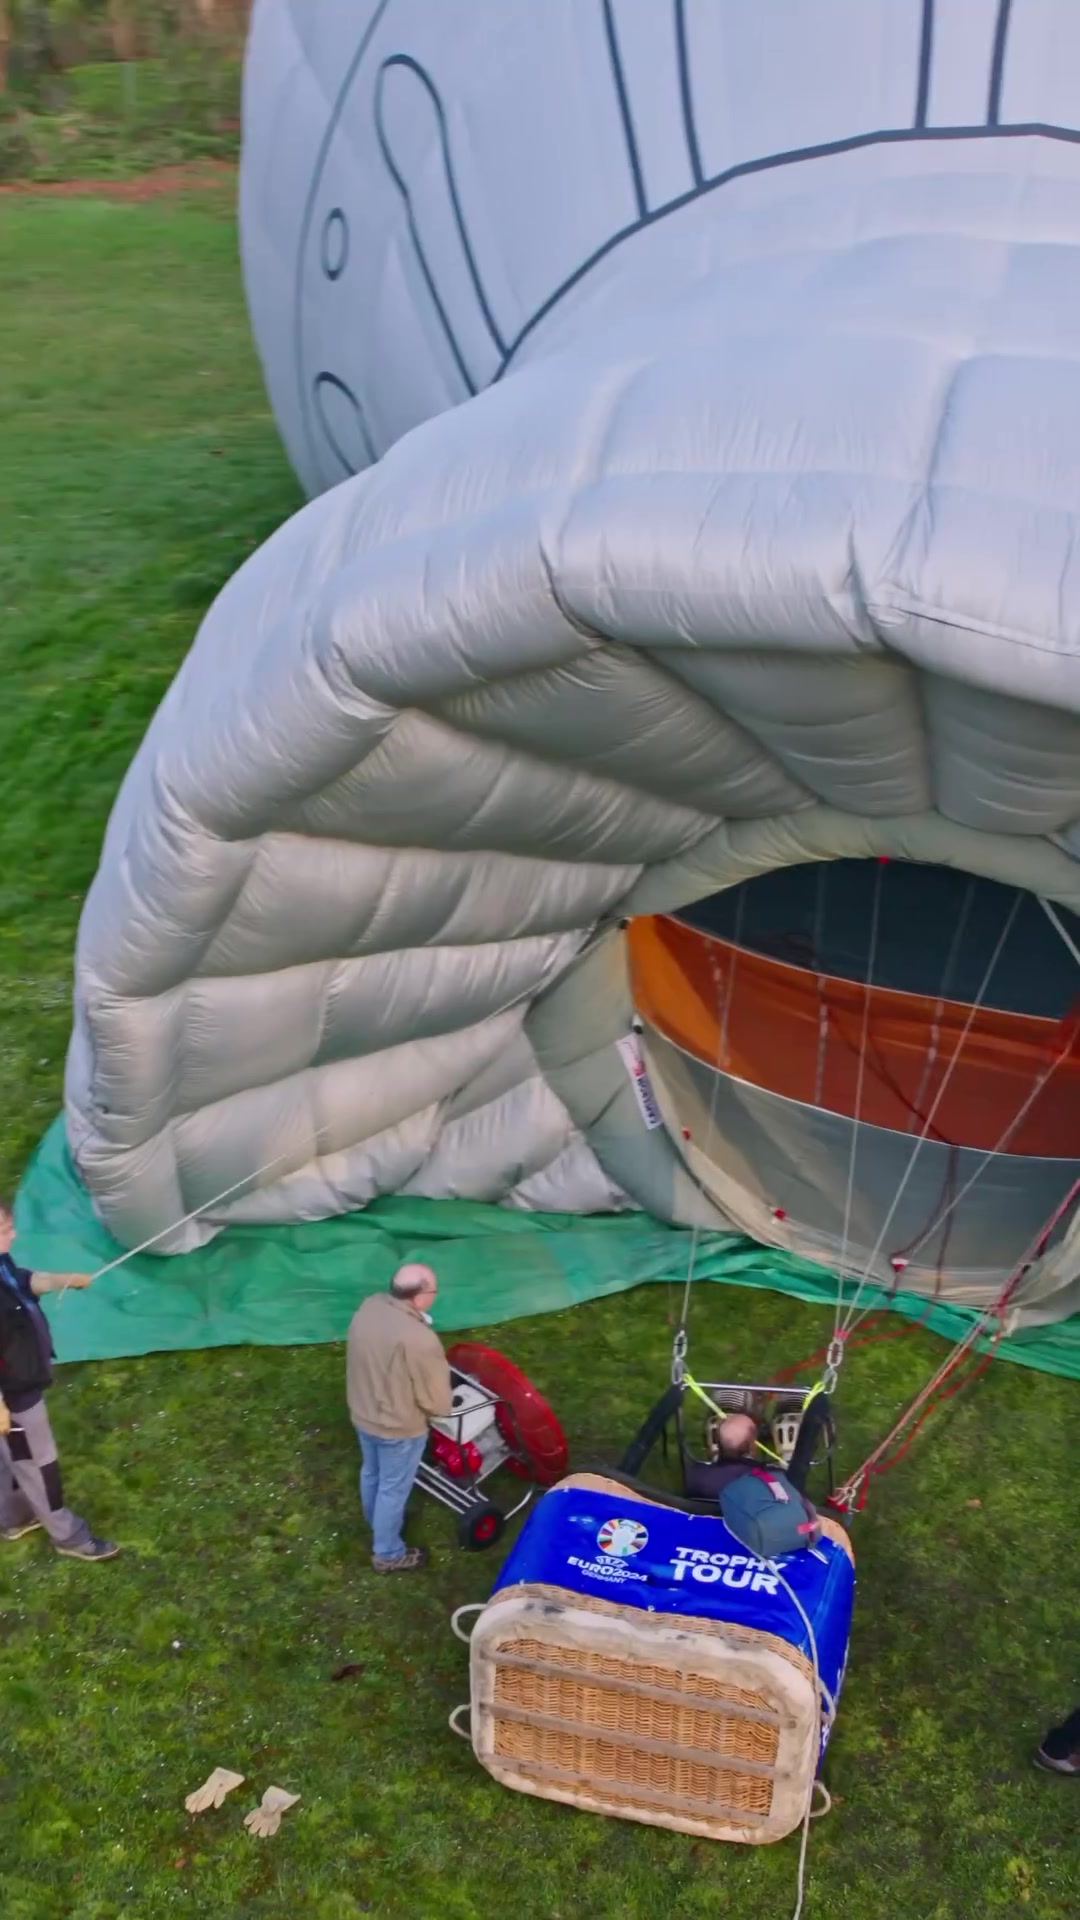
(622, 1538)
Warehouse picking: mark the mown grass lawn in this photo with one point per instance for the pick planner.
(138, 465)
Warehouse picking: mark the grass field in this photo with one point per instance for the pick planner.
(120, 117)
(138, 466)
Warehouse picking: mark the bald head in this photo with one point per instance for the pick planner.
(415, 1283)
(737, 1436)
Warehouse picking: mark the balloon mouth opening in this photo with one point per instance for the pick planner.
(912, 998)
(875, 1065)
(907, 926)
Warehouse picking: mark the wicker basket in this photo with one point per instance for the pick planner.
(709, 1728)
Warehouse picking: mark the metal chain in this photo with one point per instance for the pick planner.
(833, 1361)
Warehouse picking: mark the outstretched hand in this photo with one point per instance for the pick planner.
(59, 1282)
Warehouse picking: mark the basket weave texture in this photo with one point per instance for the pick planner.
(699, 1725)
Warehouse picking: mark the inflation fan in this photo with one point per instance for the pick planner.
(498, 1420)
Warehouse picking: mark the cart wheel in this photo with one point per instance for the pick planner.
(480, 1526)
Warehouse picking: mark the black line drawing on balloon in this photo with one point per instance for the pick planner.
(625, 113)
(481, 348)
(891, 136)
(335, 244)
(308, 398)
(403, 65)
(686, 90)
(997, 65)
(926, 57)
(325, 387)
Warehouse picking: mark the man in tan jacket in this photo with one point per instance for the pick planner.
(397, 1380)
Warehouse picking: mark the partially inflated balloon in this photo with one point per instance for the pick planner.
(691, 394)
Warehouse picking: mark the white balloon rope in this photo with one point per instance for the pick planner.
(999, 1146)
(516, 999)
(1000, 1143)
(822, 977)
(835, 1353)
(175, 1225)
(1059, 927)
(826, 1706)
(943, 995)
(847, 1494)
(826, 1710)
(850, 1320)
(680, 1342)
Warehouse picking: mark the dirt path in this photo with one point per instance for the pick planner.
(188, 176)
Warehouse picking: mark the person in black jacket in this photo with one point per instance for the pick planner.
(758, 1502)
(31, 1494)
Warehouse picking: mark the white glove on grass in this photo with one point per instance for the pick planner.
(266, 1819)
(213, 1791)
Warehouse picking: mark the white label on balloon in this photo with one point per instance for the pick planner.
(639, 1080)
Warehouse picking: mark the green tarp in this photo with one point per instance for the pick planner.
(288, 1286)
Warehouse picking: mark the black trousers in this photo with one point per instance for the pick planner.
(1062, 1741)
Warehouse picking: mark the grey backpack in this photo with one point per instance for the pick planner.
(766, 1513)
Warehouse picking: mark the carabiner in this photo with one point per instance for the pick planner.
(833, 1361)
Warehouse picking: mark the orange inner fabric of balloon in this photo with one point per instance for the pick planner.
(799, 1034)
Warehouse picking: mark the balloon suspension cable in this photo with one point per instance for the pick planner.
(849, 1193)
(930, 1062)
(723, 1013)
(1060, 929)
(851, 1317)
(949, 1378)
(854, 1492)
(1041, 1082)
(826, 1705)
(175, 1225)
(833, 1355)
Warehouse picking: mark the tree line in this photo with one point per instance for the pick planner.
(41, 39)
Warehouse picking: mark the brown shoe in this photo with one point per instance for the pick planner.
(410, 1561)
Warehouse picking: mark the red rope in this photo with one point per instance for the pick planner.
(948, 1393)
(864, 1340)
(930, 1400)
(936, 1392)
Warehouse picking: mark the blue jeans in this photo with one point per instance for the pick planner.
(387, 1471)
